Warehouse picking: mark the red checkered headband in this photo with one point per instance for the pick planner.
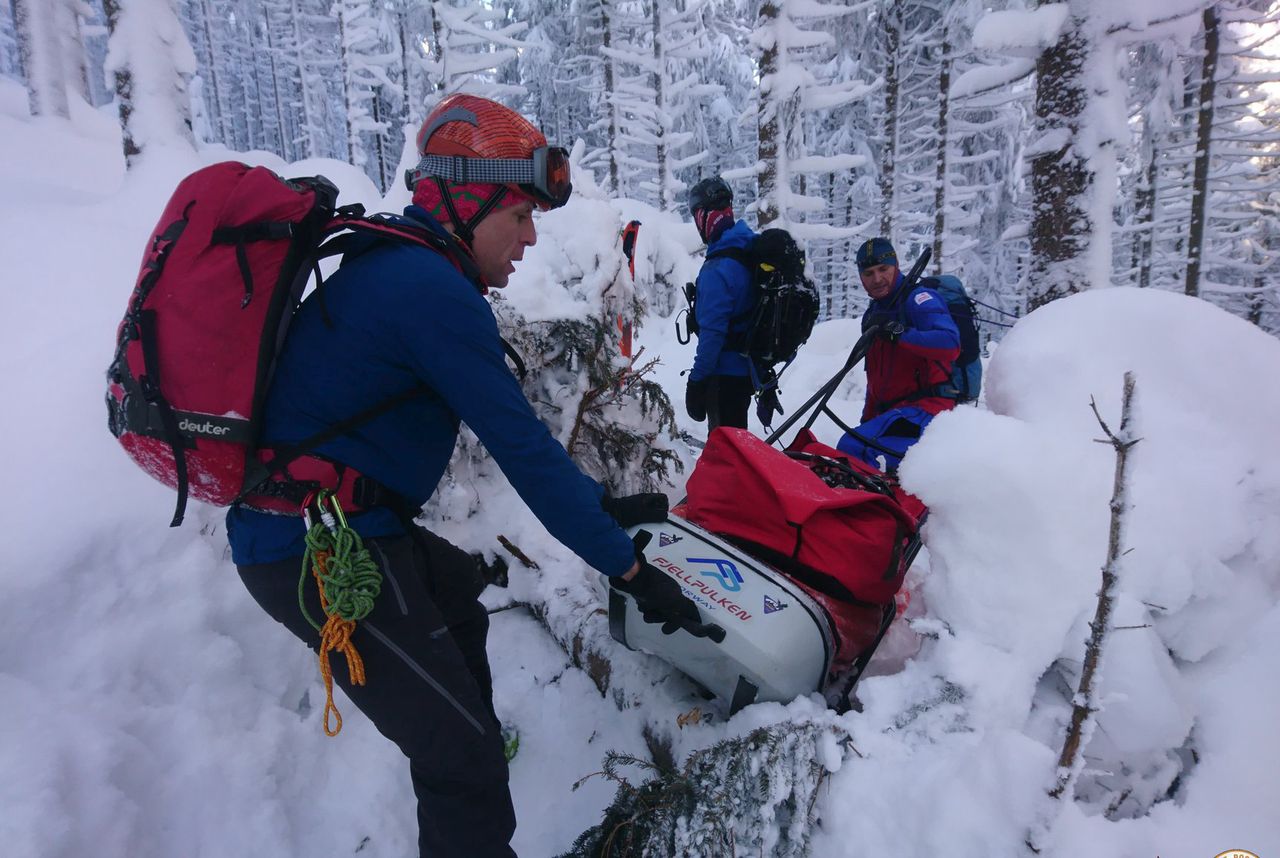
(467, 198)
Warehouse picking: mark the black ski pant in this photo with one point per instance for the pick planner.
(428, 687)
(727, 399)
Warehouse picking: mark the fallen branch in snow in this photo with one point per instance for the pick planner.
(1085, 703)
(517, 553)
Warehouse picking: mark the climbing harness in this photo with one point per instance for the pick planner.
(348, 581)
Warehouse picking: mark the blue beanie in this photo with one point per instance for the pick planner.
(876, 251)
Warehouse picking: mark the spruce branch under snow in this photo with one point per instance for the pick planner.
(749, 795)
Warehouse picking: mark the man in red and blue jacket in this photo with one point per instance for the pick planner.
(908, 365)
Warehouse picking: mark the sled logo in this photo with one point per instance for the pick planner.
(728, 574)
(772, 605)
(665, 539)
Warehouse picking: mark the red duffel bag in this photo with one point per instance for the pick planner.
(847, 543)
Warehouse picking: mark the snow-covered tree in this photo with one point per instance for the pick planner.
(469, 42)
(788, 90)
(649, 85)
(150, 61)
(1063, 222)
(369, 55)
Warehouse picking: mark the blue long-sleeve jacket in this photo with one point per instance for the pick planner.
(724, 299)
(402, 315)
(922, 357)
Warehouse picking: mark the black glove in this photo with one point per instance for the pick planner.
(695, 399)
(766, 405)
(630, 510)
(495, 573)
(891, 331)
(659, 599)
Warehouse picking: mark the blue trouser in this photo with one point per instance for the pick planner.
(894, 431)
(429, 687)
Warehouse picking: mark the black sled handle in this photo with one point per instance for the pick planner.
(698, 630)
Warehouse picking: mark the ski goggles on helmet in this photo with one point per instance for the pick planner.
(544, 176)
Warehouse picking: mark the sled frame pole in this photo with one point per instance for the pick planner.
(818, 402)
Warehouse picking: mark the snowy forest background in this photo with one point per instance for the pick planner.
(1050, 146)
(153, 711)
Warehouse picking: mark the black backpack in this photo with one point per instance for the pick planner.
(786, 305)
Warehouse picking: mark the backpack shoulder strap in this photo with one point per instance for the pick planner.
(741, 255)
(385, 227)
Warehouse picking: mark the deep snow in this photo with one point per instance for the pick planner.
(151, 710)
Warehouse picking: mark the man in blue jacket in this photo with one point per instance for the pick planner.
(720, 385)
(908, 365)
(403, 333)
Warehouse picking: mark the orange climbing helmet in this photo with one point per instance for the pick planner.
(468, 139)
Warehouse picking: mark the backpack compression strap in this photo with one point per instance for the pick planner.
(270, 479)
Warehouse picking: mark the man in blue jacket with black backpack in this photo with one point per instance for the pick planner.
(402, 335)
(720, 385)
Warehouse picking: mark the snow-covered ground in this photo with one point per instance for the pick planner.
(151, 710)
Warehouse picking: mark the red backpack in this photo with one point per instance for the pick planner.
(221, 277)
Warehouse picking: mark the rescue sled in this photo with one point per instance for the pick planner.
(796, 554)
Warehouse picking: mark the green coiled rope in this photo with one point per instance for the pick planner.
(350, 580)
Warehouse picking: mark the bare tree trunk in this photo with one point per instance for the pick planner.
(849, 253)
(659, 61)
(379, 141)
(346, 87)
(940, 180)
(406, 103)
(287, 149)
(1204, 139)
(768, 142)
(211, 64)
(1258, 299)
(1144, 241)
(304, 83)
(889, 154)
(34, 24)
(66, 21)
(123, 79)
(829, 263)
(437, 31)
(252, 89)
(610, 96)
(1060, 177)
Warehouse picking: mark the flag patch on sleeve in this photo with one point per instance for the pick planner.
(922, 297)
